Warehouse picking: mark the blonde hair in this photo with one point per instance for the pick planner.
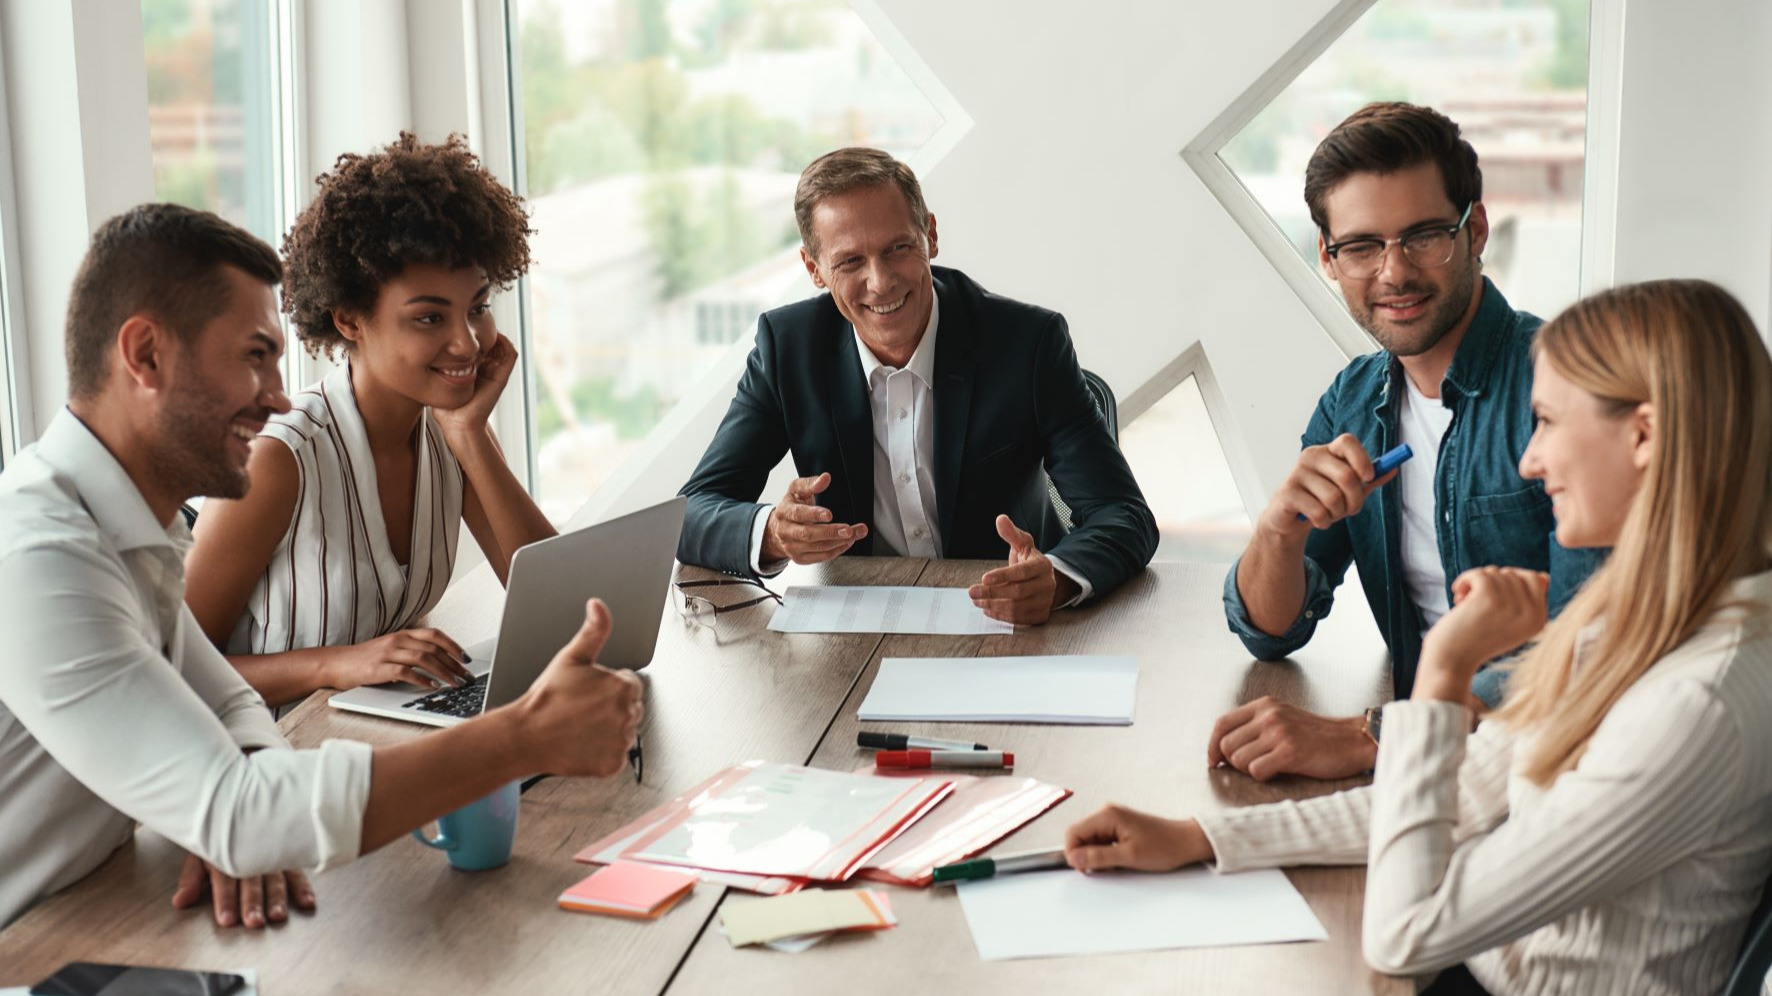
(1701, 518)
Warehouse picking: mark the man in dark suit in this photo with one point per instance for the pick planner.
(920, 409)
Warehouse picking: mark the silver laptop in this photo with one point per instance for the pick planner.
(626, 562)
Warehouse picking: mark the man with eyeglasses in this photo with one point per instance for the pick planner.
(1397, 198)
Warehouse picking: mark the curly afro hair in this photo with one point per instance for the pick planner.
(375, 215)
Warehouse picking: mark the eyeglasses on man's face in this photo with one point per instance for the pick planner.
(703, 611)
(1424, 248)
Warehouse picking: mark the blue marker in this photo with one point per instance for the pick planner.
(1383, 465)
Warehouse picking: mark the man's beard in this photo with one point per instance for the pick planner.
(1444, 317)
(194, 458)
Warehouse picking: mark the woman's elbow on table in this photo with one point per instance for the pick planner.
(1403, 945)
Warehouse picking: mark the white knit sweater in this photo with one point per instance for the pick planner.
(1634, 873)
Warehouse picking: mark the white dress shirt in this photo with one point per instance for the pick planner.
(902, 402)
(114, 708)
(1631, 875)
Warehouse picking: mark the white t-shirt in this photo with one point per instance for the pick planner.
(1423, 422)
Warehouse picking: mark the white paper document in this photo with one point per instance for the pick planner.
(1083, 689)
(833, 609)
(1049, 914)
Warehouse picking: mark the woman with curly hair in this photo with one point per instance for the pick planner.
(348, 535)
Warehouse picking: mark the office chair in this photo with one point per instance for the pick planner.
(1755, 959)
(1109, 410)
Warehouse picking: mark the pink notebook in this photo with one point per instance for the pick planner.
(630, 889)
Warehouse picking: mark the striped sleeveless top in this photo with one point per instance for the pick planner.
(333, 579)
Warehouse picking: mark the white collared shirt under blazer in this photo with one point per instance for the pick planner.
(1633, 874)
(115, 709)
(333, 579)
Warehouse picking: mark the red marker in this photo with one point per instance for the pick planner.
(944, 759)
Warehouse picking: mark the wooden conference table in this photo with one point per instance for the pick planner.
(402, 921)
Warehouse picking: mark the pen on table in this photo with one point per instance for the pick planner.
(1003, 864)
(1383, 465)
(901, 741)
(636, 758)
(944, 759)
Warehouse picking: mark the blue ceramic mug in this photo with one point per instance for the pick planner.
(479, 835)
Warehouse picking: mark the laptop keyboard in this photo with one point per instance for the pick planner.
(466, 701)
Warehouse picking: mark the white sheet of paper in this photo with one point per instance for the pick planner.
(1082, 689)
(834, 609)
(1049, 914)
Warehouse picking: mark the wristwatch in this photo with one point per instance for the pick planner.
(1374, 718)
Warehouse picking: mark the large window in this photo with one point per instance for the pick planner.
(661, 140)
(212, 108)
(1512, 73)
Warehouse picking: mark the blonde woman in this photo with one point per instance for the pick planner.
(1610, 830)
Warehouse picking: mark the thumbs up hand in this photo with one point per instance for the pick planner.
(579, 717)
(1025, 591)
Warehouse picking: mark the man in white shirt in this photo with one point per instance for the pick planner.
(920, 410)
(114, 708)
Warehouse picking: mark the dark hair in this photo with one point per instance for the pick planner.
(1385, 138)
(849, 169)
(375, 215)
(164, 261)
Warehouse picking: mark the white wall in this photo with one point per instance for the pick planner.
(1695, 146)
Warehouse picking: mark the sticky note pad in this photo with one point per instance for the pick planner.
(811, 912)
(629, 888)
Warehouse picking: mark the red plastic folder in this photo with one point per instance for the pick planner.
(774, 827)
(979, 813)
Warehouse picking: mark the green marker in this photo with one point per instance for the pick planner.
(1004, 864)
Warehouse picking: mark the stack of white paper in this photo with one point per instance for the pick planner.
(1082, 689)
(1046, 914)
(945, 611)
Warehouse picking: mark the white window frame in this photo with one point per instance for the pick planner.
(289, 149)
(1600, 164)
(15, 392)
(1194, 363)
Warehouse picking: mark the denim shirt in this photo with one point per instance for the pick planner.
(1486, 513)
